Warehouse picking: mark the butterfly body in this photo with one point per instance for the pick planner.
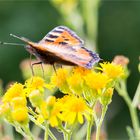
(47, 57)
(63, 46)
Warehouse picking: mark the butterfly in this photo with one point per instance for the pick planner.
(61, 46)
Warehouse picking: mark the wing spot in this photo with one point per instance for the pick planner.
(63, 43)
(52, 36)
(49, 40)
(66, 39)
(57, 31)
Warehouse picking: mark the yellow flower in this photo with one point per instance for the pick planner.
(18, 102)
(43, 110)
(20, 115)
(40, 120)
(75, 109)
(50, 110)
(81, 71)
(55, 114)
(53, 121)
(97, 80)
(112, 70)
(15, 90)
(59, 78)
(75, 83)
(34, 83)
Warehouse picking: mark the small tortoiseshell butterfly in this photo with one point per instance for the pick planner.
(62, 46)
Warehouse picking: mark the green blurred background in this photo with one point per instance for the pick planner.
(118, 32)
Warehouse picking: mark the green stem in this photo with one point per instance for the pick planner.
(19, 130)
(136, 99)
(66, 133)
(69, 136)
(122, 90)
(133, 114)
(28, 132)
(63, 129)
(89, 127)
(36, 131)
(43, 127)
(99, 124)
(80, 132)
(46, 135)
(51, 135)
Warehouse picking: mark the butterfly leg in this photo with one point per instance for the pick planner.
(31, 65)
(43, 70)
(54, 68)
(37, 63)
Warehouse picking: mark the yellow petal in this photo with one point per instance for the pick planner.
(53, 121)
(72, 117)
(80, 118)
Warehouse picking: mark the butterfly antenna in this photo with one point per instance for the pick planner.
(20, 38)
(13, 44)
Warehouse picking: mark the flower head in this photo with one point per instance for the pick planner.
(81, 71)
(75, 109)
(14, 104)
(75, 83)
(97, 80)
(50, 110)
(20, 115)
(112, 70)
(59, 78)
(16, 90)
(35, 83)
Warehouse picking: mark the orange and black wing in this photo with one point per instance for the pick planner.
(65, 44)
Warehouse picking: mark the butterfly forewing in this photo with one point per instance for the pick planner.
(63, 36)
(65, 44)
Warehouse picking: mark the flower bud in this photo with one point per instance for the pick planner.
(20, 115)
(106, 97)
(18, 102)
(4, 109)
(36, 98)
(51, 100)
(121, 60)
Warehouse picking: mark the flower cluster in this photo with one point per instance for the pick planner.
(82, 89)
(14, 107)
